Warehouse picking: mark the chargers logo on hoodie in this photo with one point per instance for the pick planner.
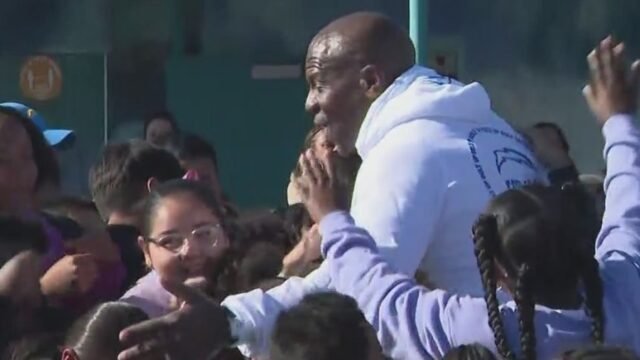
(509, 155)
(505, 155)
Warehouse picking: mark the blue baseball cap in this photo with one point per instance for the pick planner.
(55, 137)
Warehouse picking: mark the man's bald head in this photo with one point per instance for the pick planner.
(350, 63)
(368, 39)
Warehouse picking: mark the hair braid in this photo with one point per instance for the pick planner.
(485, 238)
(526, 310)
(593, 301)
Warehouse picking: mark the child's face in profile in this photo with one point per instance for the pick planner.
(167, 251)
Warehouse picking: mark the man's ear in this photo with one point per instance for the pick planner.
(152, 183)
(372, 80)
(69, 354)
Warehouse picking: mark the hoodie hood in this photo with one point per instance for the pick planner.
(421, 93)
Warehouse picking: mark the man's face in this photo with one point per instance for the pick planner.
(337, 96)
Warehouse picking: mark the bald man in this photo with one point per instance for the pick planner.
(433, 153)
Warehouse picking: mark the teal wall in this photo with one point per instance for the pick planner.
(256, 126)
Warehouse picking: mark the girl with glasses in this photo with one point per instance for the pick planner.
(183, 238)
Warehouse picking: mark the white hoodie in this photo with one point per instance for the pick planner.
(434, 153)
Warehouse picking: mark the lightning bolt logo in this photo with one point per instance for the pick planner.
(507, 155)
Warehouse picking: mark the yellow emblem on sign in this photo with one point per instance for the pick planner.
(40, 78)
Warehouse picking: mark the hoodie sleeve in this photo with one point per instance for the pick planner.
(256, 311)
(398, 198)
(619, 240)
(411, 322)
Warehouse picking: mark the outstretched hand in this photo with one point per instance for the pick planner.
(198, 330)
(323, 194)
(612, 89)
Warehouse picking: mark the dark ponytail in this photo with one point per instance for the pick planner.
(485, 239)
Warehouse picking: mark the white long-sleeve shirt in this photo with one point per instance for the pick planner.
(433, 154)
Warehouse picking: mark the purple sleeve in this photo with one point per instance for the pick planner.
(411, 322)
(619, 238)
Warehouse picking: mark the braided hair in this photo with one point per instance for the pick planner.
(543, 239)
(485, 240)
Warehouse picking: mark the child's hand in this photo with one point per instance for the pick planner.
(199, 283)
(304, 254)
(612, 90)
(322, 193)
(71, 274)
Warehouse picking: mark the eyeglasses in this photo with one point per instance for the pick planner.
(206, 236)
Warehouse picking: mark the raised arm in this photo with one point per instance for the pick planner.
(620, 231)
(612, 97)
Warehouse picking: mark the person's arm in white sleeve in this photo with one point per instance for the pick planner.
(255, 312)
(398, 199)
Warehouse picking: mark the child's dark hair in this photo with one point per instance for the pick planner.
(39, 346)
(296, 219)
(175, 187)
(470, 352)
(96, 332)
(261, 262)
(118, 179)
(17, 235)
(540, 236)
(165, 115)
(599, 352)
(191, 146)
(558, 130)
(268, 227)
(323, 326)
(260, 243)
(43, 155)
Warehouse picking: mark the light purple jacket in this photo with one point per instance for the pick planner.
(149, 296)
(413, 322)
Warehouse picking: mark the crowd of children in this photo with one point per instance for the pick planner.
(372, 257)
